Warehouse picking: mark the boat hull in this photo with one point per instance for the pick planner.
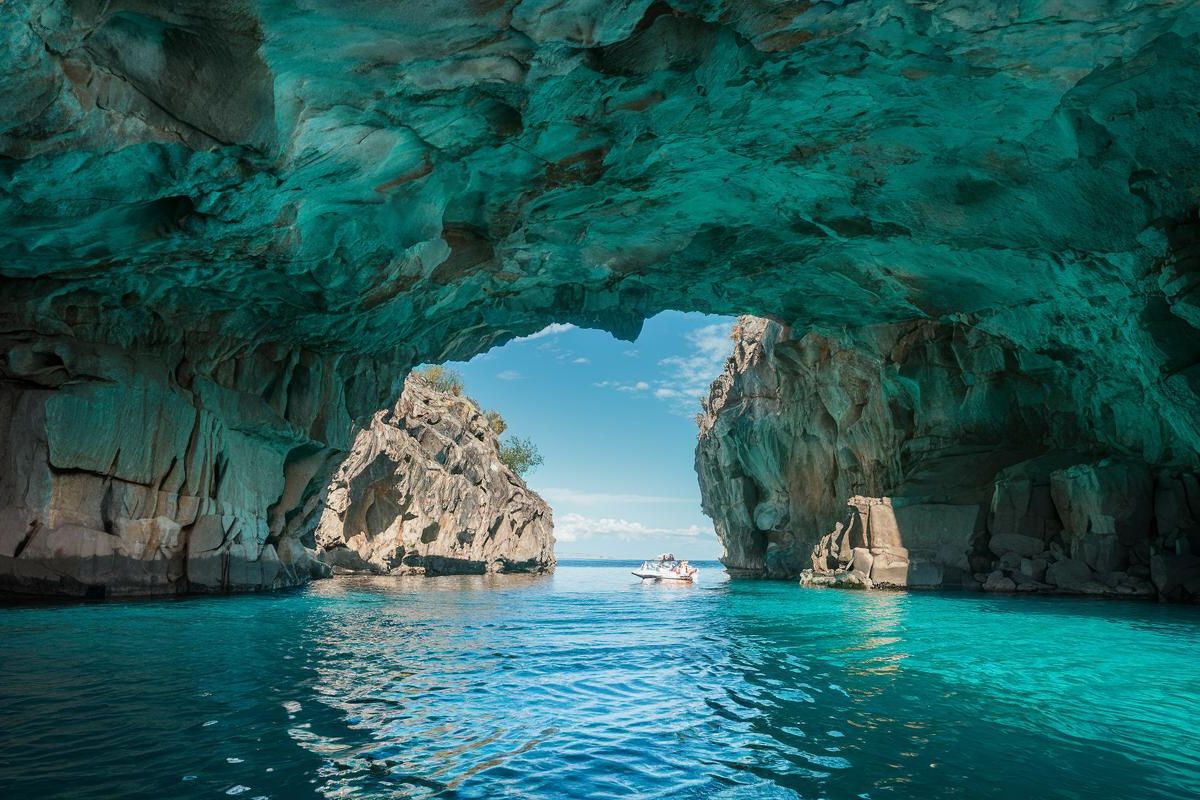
(654, 576)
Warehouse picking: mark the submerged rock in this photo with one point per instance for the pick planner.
(424, 491)
(983, 469)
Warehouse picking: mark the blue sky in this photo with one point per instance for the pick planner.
(613, 421)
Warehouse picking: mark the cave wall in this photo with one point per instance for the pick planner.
(933, 454)
(424, 491)
(132, 473)
(236, 200)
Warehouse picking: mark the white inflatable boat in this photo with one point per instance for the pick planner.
(667, 568)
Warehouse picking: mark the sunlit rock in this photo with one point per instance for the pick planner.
(424, 491)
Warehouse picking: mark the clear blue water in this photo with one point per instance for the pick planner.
(586, 684)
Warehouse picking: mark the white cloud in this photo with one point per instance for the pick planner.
(630, 353)
(573, 527)
(563, 495)
(549, 330)
(508, 375)
(688, 376)
(582, 360)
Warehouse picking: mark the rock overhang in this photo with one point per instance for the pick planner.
(362, 176)
(278, 208)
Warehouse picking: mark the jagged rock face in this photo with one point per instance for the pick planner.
(269, 211)
(121, 477)
(424, 491)
(964, 460)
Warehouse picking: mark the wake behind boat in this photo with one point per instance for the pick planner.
(667, 568)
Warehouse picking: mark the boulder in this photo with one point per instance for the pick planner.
(1011, 561)
(839, 579)
(888, 569)
(998, 582)
(1177, 577)
(1034, 568)
(861, 561)
(1069, 574)
(1021, 545)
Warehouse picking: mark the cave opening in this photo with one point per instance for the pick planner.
(613, 424)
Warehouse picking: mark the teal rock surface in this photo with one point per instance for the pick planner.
(229, 228)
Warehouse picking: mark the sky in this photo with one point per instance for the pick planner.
(614, 424)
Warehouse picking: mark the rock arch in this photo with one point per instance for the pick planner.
(230, 228)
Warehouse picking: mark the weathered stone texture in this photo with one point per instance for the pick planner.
(238, 223)
(125, 475)
(978, 472)
(424, 491)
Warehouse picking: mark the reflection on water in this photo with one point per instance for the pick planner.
(590, 684)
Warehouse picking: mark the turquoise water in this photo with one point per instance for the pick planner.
(589, 685)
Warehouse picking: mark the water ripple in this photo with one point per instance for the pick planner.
(588, 685)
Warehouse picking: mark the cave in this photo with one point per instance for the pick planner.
(230, 229)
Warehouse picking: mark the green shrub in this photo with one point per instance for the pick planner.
(520, 455)
(443, 379)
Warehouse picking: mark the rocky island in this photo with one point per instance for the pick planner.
(424, 491)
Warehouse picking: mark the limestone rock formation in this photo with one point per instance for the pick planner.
(123, 478)
(228, 228)
(965, 461)
(424, 491)
(915, 546)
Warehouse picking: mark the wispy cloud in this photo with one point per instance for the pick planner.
(563, 495)
(549, 330)
(582, 360)
(509, 375)
(574, 527)
(685, 378)
(688, 376)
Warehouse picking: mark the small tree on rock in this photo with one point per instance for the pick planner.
(520, 455)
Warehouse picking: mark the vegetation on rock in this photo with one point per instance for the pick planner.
(443, 379)
(520, 455)
(496, 422)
